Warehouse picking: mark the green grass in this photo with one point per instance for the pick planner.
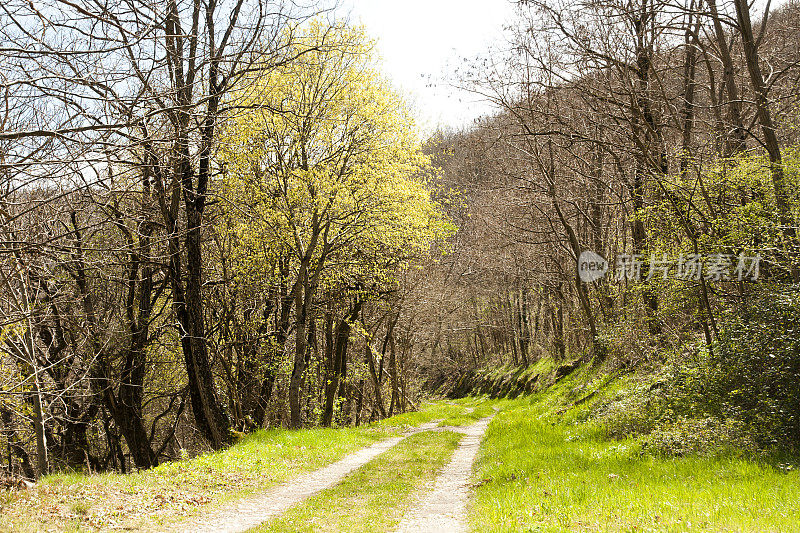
(177, 489)
(374, 497)
(481, 408)
(173, 491)
(544, 465)
(428, 412)
(542, 469)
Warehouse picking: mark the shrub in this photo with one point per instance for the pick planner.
(700, 436)
(632, 413)
(744, 396)
(755, 372)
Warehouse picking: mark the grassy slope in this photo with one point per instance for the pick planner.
(374, 497)
(544, 468)
(170, 492)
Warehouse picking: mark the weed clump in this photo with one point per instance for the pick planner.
(741, 397)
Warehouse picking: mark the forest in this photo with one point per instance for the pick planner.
(221, 216)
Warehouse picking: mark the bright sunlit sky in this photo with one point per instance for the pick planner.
(422, 41)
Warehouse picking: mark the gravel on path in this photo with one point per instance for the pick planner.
(251, 511)
(444, 508)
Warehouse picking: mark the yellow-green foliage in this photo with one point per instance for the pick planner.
(731, 205)
(720, 212)
(327, 150)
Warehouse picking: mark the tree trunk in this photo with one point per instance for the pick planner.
(769, 131)
(652, 158)
(338, 374)
(735, 142)
(370, 354)
(15, 443)
(302, 301)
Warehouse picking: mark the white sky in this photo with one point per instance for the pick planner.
(422, 41)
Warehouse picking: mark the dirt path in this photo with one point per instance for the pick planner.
(252, 511)
(444, 508)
